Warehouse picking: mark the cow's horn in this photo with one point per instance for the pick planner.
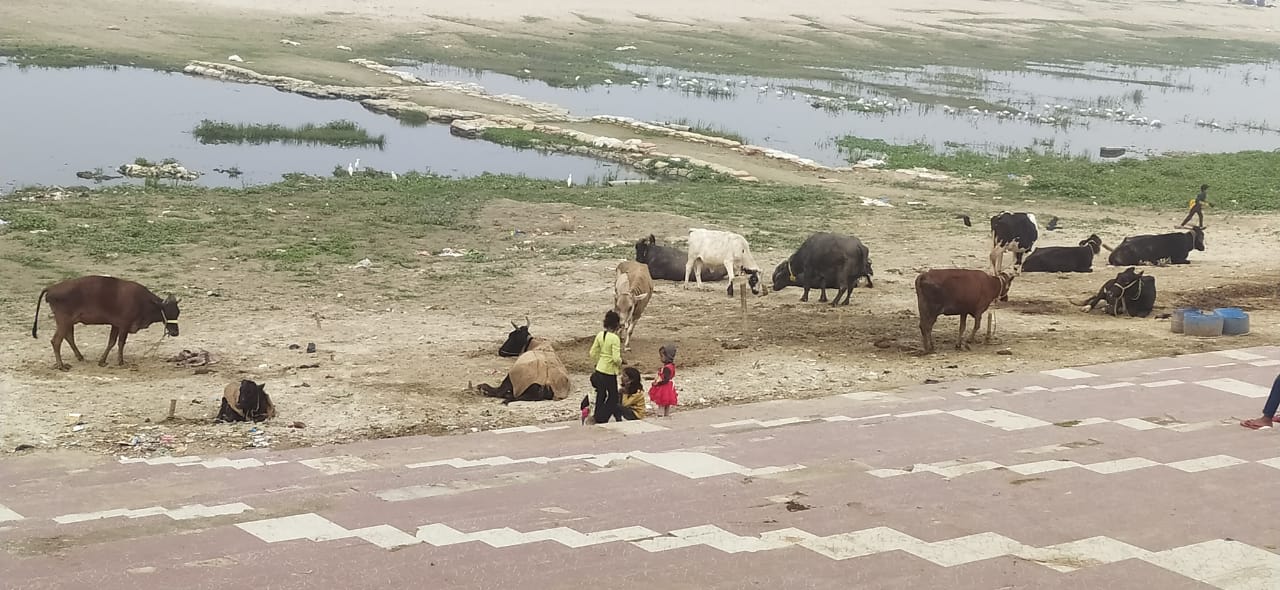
(513, 325)
(526, 321)
(1105, 247)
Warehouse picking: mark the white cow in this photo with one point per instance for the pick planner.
(709, 248)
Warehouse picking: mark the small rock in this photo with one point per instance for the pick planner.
(294, 347)
(311, 347)
(931, 381)
(1004, 351)
(113, 28)
(23, 447)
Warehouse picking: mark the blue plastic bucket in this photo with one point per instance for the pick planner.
(1204, 325)
(1176, 320)
(1234, 320)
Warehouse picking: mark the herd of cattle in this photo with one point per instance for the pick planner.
(834, 261)
(823, 261)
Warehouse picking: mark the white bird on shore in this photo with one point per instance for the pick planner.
(569, 182)
(393, 175)
(351, 171)
(357, 163)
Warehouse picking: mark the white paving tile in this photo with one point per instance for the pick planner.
(1266, 363)
(1069, 374)
(1120, 465)
(1115, 385)
(1227, 565)
(1138, 424)
(1237, 387)
(1002, 419)
(183, 513)
(1239, 355)
(1165, 383)
(338, 464)
(633, 426)
(1043, 466)
(7, 515)
(1206, 463)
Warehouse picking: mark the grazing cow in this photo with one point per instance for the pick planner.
(961, 292)
(708, 248)
(667, 263)
(537, 375)
(1012, 232)
(825, 258)
(632, 291)
(1130, 292)
(518, 340)
(246, 401)
(1064, 258)
(1152, 249)
(124, 305)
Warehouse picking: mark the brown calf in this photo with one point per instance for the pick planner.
(961, 292)
(124, 305)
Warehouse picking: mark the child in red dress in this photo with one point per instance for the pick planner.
(663, 390)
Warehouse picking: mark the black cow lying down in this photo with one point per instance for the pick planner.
(537, 375)
(1153, 249)
(246, 401)
(1131, 292)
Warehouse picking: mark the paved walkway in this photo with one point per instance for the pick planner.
(1131, 475)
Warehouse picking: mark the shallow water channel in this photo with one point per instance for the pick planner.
(56, 122)
(1145, 109)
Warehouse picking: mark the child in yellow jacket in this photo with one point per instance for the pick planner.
(633, 398)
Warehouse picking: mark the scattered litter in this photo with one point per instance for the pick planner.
(917, 203)
(3, 223)
(39, 231)
(880, 202)
(235, 58)
(450, 252)
(113, 28)
(869, 163)
(366, 263)
(922, 173)
(188, 358)
(344, 48)
(625, 48)
(289, 43)
(297, 425)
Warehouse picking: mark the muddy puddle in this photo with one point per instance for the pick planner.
(57, 122)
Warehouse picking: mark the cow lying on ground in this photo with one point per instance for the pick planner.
(1130, 292)
(246, 400)
(632, 291)
(1064, 258)
(518, 340)
(1015, 233)
(825, 259)
(1152, 249)
(959, 292)
(97, 300)
(709, 248)
(668, 263)
(537, 375)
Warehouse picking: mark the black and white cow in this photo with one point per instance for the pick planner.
(1015, 233)
(1152, 249)
(1064, 258)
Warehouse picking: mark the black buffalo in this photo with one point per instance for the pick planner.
(668, 263)
(1064, 258)
(1153, 249)
(825, 260)
(517, 341)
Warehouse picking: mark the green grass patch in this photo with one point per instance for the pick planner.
(1251, 179)
(307, 226)
(340, 133)
(711, 130)
(67, 56)
(521, 139)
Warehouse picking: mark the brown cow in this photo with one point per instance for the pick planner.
(124, 305)
(961, 292)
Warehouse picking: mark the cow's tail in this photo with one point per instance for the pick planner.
(36, 324)
(1081, 304)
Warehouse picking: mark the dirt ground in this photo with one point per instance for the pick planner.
(386, 366)
(392, 368)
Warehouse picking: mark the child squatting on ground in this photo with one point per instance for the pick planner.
(663, 390)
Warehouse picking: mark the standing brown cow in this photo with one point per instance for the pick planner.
(961, 292)
(124, 305)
